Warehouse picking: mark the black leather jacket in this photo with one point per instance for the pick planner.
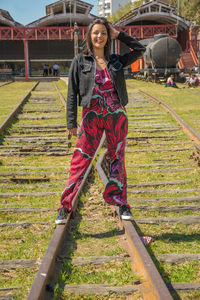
(82, 76)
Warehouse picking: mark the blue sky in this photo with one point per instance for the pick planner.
(27, 11)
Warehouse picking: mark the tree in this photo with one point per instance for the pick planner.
(124, 10)
(188, 9)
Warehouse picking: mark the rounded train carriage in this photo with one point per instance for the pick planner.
(163, 53)
(160, 58)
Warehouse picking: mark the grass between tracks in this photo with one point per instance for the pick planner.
(30, 242)
(11, 95)
(167, 238)
(94, 232)
(62, 87)
(96, 219)
(186, 102)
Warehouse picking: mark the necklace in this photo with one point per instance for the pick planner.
(103, 61)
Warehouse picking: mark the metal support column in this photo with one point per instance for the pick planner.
(26, 58)
(76, 33)
(118, 47)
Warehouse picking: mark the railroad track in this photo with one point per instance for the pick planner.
(35, 158)
(5, 83)
(162, 184)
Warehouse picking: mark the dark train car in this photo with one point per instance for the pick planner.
(160, 58)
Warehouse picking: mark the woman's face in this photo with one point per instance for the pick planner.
(99, 36)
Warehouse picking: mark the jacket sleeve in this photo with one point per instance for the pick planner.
(73, 91)
(137, 47)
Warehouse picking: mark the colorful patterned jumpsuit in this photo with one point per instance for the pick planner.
(105, 113)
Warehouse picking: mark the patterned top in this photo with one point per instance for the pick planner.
(104, 91)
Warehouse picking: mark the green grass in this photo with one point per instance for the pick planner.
(185, 272)
(11, 95)
(95, 232)
(30, 242)
(167, 238)
(185, 102)
(62, 87)
(173, 238)
(119, 273)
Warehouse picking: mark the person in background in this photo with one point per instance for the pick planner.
(55, 69)
(45, 70)
(192, 81)
(196, 80)
(182, 77)
(50, 71)
(171, 82)
(96, 77)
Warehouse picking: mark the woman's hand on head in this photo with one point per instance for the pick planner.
(72, 132)
(113, 32)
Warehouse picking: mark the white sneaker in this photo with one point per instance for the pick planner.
(125, 213)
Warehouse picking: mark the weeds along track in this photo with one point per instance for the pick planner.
(91, 256)
(163, 191)
(35, 158)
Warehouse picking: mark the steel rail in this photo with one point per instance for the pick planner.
(186, 128)
(198, 151)
(16, 110)
(41, 280)
(153, 286)
(6, 83)
(61, 97)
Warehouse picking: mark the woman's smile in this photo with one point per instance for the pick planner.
(99, 36)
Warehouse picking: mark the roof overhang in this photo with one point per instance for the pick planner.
(7, 20)
(82, 20)
(65, 11)
(55, 7)
(154, 11)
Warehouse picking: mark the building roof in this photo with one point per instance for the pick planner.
(66, 12)
(7, 20)
(155, 11)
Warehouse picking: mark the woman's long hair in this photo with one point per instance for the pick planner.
(87, 43)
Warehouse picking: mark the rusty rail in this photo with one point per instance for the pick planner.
(6, 83)
(61, 97)
(38, 288)
(186, 128)
(197, 148)
(153, 287)
(13, 114)
(45, 271)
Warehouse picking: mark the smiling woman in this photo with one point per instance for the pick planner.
(99, 39)
(97, 78)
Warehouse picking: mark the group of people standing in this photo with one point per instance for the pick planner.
(49, 71)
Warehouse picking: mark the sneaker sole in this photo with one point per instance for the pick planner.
(61, 222)
(127, 218)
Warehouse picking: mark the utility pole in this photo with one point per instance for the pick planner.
(178, 9)
(70, 12)
(76, 33)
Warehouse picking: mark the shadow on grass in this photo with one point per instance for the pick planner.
(107, 234)
(177, 237)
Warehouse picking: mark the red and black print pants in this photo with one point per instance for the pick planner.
(95, 119)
